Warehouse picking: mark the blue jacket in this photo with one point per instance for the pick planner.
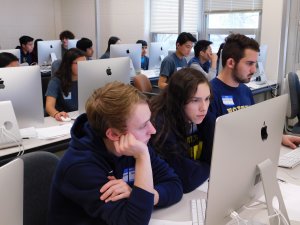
(83, 170)
(192, 173)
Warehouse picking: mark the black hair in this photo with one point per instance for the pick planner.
(66, 34)
(25, 39)
(168, 114)
(6, 58)
(64, 72)
(185, 37)
(84, 43)
(144, 43)
(235, 45)
(201, 45)
(111, 41)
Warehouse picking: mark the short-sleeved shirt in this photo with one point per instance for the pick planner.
(63, 103)
(227, 99)
(171, 64)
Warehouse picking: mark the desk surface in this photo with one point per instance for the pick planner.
(34, 144)
(181, 211)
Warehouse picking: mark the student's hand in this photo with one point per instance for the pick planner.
(213, 58)
(115, 190)
(60, 114)
(290, 141)
(128, 145)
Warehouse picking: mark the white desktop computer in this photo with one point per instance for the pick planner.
(48, 51)
(245, 156)
(9, 129)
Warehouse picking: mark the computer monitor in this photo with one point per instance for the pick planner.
(243, 140)
(48, 51)
(133, 51)
(11, 192)
(23, 87)
(93, 74)
(157, 52)
(259, 76)
(72, 43)
(15, 52)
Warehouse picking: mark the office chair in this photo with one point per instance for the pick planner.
(143, 84)
(39, 168)
(292, 86)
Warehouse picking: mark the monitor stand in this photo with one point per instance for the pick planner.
(272, 191)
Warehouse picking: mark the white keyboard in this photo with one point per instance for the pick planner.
(198, 208)
(290, 160)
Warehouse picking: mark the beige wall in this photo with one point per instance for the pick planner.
(35, 18)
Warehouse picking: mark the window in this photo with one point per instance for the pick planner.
(171, 17)
(223, 17)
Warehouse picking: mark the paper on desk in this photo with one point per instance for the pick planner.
(168, 222)
(54, 131)
(203, 187)
(28, 132)
(291, 197)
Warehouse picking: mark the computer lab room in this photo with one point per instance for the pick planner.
(159, 112)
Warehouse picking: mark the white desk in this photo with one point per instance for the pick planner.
(182, 212)
(34, 144)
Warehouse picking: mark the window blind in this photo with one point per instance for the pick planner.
(232, 5)
(191, 15)
(164, 16)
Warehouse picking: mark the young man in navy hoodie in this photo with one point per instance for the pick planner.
(109, 175)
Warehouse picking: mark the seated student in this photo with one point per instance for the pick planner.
(111, 41)
(62, 91)
(204, 60)
(176, 60)
(219, 64)
(184, 126)
(64, 36)
(144, 58)
(35, 50)
(109, 151)
(8, 60)
(239, 58)
(26, 48)
(86, 45)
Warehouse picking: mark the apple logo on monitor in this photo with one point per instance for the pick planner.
(108, 71)
(51, 46)
(161, 48)
(2, 86)
(264, 132)
(127, 51)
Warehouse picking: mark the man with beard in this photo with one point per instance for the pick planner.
(239, 58)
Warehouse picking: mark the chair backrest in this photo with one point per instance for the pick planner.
(142, 83)
(293, 89)
(54, 66)
(39, 168)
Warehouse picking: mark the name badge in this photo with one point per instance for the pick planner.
(128, 175)
(68, 97)
(227, 100)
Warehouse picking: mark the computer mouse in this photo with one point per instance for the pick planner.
(65, 119)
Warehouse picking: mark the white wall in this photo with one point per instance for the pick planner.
(30, 17)
(78, 16)
(271, 35)
(124, 19)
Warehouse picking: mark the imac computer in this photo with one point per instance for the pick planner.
(157, 52)
(15, 52)
(23, 87)
(48, 52)
(72, 43)
(259, 76)
(94, 74)
(133, 51)
(245, 155)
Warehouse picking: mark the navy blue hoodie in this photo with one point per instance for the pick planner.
(83, 170)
